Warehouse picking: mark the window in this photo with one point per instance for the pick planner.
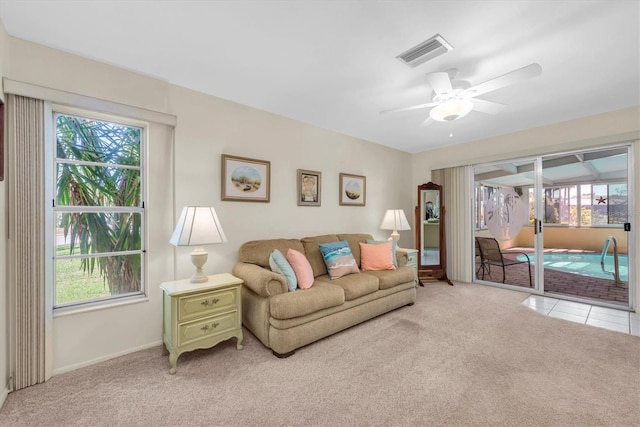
(483, 194)
(557, 205)
(617, 206)
(98, 210)
(583, 204)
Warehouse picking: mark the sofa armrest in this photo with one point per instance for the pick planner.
(263, 282)
(402, 256)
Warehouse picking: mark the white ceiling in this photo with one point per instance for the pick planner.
(332, 63)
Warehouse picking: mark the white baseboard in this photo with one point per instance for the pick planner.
(103, 358)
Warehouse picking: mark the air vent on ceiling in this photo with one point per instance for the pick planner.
(425, 51)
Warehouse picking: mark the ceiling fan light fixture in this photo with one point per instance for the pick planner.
(451, 110)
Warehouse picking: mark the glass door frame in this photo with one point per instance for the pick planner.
(538, 267)
(538, 240)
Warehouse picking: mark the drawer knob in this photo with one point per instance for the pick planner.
(207, 327)
(213, 302)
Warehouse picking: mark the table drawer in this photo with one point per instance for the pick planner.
(204, 304)
(207, 328)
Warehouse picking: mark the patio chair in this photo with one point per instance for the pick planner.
(490, 254)
(478, 260)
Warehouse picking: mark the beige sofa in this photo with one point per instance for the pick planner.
(285, 321)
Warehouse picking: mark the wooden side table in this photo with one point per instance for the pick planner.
(200, 315)
(412, 259)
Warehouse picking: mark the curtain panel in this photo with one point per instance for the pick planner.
(26, 121)
(459, 235)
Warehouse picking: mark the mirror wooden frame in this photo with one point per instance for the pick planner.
(431, 272)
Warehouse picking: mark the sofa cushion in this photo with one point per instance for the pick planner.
(313, 254)
(295, 304)
(394, 246)
(338, 259)
(390, 278)
(376, 256)
(258, 251)
(354, 240)
(301, 267)
(354, 285)
(280, 265)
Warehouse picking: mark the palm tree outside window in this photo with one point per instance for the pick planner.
(98, 210)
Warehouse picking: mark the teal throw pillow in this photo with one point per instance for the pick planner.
(338, 258)
(393, 249)
(280, 265)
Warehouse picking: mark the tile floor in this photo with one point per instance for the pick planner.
(602, 317)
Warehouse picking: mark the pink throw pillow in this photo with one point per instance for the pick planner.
(301, 267)
(376, 256)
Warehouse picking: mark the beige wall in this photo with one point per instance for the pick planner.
(208, 127)
(590, 239)
(585, 132)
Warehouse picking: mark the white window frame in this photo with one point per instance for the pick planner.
(52, 210)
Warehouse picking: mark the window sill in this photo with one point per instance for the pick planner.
(68, 311)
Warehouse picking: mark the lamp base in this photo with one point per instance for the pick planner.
(199, 258)
(395, 236)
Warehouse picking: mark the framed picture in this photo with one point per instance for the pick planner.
(245, 180)
(353, 190)
(309, 187)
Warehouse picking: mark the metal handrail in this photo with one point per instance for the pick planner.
(616, 266)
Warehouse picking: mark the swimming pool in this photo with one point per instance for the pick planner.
(586, 264)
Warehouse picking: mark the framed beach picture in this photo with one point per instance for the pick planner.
(309, 187)
(245, 180)
(353, 190)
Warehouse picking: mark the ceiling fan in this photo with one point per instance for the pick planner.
(454, 99)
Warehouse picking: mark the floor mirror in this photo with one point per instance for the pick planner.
(430, 234)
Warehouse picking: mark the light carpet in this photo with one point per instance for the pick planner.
(466, 355)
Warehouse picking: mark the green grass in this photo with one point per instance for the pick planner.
(73, 284)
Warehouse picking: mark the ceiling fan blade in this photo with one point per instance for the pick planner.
(428, 121)
(413, 107)
(440, 82)
(488, 107)
(508, 79)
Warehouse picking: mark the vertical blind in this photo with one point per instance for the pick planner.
(27, 115)
(459, 235)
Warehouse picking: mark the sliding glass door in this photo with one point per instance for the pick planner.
(505, 237)
(586, 207)
(561, 217)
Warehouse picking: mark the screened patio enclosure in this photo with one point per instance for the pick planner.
(563, 218)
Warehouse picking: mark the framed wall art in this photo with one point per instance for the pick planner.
(245, 180)
(309, 183)
(353, 190)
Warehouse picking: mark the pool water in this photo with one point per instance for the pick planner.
(586, 264)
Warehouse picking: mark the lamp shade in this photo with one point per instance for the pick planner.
(395, 219)
(453, 109)
(198, 226)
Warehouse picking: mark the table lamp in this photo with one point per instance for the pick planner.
(198, 226)
(395, 219)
